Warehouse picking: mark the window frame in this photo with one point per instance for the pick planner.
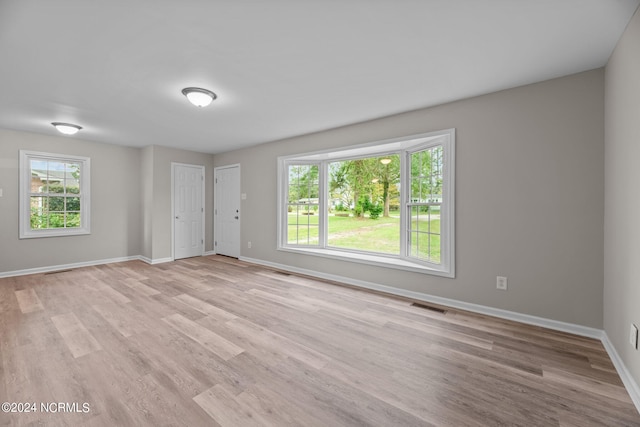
(404, 147)
(25, 230)
(319, 205)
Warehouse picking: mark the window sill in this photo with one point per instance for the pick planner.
(54, 233)
(371, 259)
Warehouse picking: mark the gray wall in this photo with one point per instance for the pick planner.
(622, 200)
(115, 204)
(530, 197)
(130, 202)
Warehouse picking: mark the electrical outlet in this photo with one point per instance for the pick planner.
(501, 283)
(249, 245)
(633, 336)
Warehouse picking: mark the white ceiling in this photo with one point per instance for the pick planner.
(280, 68)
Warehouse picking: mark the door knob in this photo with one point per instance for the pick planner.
(236, 217)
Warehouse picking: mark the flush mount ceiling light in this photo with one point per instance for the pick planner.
(66, 128)
(198, 96)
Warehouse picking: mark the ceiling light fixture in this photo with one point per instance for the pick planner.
(66, 128)
(198, 96)
(385, 161)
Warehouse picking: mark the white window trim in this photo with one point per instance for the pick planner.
(25, 189)
(403, 146)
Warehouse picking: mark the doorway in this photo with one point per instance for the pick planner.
(227, 210)
(188, 210)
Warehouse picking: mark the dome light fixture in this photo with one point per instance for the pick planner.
(66, 128)
(198, 96)
(385, 161)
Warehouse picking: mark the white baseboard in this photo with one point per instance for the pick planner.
(154, 261)
(65, 266)
(628, 381)
(50, 268)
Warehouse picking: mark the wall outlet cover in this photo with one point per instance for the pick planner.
(633, 336)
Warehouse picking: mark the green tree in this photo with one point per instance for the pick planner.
(426, 174)
(303, 182)
(388, 169)
(57, 211)
(367, 183)
(359, 175)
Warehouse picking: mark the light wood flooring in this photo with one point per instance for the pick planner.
(214, 341)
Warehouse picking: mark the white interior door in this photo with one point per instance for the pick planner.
(227, 211)
(188, 211)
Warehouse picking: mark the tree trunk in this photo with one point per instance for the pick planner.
(356, 195)
(385, 197)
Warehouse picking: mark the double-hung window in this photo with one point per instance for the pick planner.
(387, 203)
(54, 195)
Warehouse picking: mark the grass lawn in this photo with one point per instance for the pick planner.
(380, 235)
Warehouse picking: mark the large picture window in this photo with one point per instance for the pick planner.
(54, 195)
(388, 203)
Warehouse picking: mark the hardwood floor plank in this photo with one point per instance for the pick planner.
(78, 339)
(109, 292)
(318, 393)
(224, 408)
(196, 371)
(288, 302)
(203, 336)
(28, 301)
(598, 387)
(269, 340)
(141, 288)
(122, 318)
(205, 308)
(445, 333)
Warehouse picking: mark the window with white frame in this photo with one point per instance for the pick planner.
(387, 203)
(54, 195)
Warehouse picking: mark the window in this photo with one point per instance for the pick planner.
(54, 195)
(387, 203)
(425, 203)
(302, 206)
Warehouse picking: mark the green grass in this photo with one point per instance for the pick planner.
(374, 235)
(380, 235)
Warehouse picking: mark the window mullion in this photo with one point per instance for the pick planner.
(322, 204)
(405, 182)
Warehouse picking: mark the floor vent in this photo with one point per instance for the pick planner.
(282, 273)
(429, 307)
(57, 272)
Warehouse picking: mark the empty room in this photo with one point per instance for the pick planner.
(319, 213)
